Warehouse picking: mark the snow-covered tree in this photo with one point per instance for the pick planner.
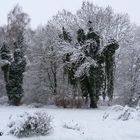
(15, 78)
(18, 23)
(84, 66)
(127, 71)
(15, 63)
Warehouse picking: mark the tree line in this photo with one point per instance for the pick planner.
(73, 60)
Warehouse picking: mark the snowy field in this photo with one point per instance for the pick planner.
(75, 124)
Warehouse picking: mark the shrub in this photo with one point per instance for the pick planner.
(127, 114)
(68, 102)
(122, 113)
(72, 125)
(35, 124)
(117, 108)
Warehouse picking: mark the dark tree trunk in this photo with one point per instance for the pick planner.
(93, 103)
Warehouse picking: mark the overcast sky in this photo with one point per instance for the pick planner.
(40, 11)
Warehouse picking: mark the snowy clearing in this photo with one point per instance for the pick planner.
(75, 124)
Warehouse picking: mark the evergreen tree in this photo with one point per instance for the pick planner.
(13, 71)
(92, 83)
(109, 60)
(15, 81)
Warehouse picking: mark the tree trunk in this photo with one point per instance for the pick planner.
(93, 102)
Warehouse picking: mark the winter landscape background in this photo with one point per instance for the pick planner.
(76, 76)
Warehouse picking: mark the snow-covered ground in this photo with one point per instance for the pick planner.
(76, 124)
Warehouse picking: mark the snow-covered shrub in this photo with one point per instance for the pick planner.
(31, 124)
(72, 125)
(117, 108)
(127, 114)
(122, 113)
(113, 112)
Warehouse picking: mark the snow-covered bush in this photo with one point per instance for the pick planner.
(72, 125)
(117, 108)
(127, 114)
(31, 124)
(122, 113)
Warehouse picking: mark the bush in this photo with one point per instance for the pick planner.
(127, 114)
(72, 125)
(35, 124)
(117, 108)
(122, 113)
(68, 102)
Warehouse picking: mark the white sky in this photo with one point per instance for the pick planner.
(40, 11)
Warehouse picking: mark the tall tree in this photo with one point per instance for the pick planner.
(15, 79)
(84, 67)
(13, 71)
(18, 23)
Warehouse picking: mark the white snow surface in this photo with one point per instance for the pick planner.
(75, 124)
